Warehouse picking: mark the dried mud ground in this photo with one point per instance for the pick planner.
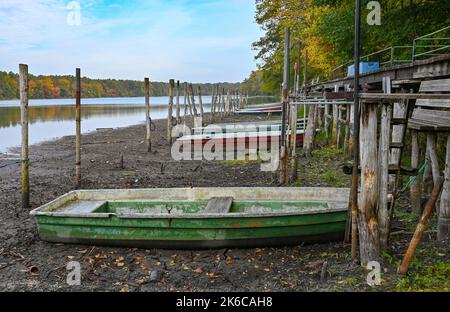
(29, 264)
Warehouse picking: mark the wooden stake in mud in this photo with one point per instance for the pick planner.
(191, 92)
(23, 82)
(186, 102)
(178, 103)
(200, 102)
(148, 120)
(354, 206)
(170, 111)
(78, 130)
(417, 237)
(283, 151)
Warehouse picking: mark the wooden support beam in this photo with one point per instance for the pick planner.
(416, 200)
(369, 240)
(335, 121)
(431, 143)
(148, 119)
(383, 156)
(23, 83)
(421, 226)
(444, 211)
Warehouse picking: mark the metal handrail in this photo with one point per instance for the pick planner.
(429, 37)
(414, 47)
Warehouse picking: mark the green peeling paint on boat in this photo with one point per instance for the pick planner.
(176, 218)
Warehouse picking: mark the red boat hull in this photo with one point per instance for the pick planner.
(233, 141)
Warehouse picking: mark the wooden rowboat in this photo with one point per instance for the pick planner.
(234, 138)
(195, 217)
(262, 107)
(257, 126)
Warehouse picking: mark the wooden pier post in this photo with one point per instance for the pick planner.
(178, 103)
(369, 239)
(308, 142)
(148, 119)
(444, 211)
(213, 102)
(187, 106)
(383, 156)
(191, 92)
(327, 123)
(335, 136)
(170, 111)
(347, 132)
(23, 82)
(416, 200)
(78, 130)
(432, 150)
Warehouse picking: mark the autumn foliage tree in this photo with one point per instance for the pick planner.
(325, 29)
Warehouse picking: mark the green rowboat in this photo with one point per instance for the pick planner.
(195, 218)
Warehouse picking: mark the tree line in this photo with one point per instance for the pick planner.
(325, 28)
(54, 87)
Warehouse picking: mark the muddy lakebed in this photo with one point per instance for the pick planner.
(29, 264)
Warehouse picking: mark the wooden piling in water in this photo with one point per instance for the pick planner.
(170, 111)
(78, 129)
(147, 114)
(23, 83)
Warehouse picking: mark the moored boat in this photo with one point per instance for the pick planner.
(268, 125)
(195, 217)
(234, 138)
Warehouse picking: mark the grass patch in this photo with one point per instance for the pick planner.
(426, 277)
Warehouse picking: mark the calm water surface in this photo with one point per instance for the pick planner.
(50, 119)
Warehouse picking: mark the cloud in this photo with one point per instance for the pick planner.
(201, 40)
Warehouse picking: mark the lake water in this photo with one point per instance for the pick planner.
(50, 119)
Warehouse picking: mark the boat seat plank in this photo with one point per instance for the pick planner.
(219, 205)
(81, 206)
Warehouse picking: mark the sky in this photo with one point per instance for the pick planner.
(187, 40)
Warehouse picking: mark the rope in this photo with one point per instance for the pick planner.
(413, 179)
